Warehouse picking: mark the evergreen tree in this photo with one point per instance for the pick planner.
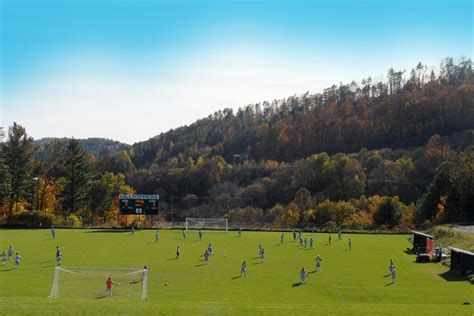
(19, 157)
(4, 174)
(78, 173)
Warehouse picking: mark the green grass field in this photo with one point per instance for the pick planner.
(354, 282)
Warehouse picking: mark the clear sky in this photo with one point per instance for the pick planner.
(128, 70)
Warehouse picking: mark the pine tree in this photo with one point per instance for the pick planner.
(78, 173)
(4, 174)
(19, 157)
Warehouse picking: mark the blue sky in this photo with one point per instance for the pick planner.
(129, 70)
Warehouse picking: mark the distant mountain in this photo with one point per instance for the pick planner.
(402, 112)
(95, 146)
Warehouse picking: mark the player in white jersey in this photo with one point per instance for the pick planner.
(17, 261)
(318, 263)
(303, 276)
(243, 269)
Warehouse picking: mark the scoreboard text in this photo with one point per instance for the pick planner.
(139, 204)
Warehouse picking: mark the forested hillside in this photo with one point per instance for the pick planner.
(95, 146)
(394, 153)
(398, 113)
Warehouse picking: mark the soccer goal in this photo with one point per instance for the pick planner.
(207, 223)
(88, 282)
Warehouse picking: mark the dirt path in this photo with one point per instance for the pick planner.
(465, 229)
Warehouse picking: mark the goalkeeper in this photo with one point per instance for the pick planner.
(108, 287)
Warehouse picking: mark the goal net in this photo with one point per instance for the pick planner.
(207, 223)
(88, 282)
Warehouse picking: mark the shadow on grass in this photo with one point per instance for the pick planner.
(101, 297)
(46, 261)
(170, 259)
(409, 251)
(296, 284)
(258, 262)
(236, 277)
(451, 276)
(200, 265)
(6, 270)
(387, 275)
(311, 272)
(388, 284)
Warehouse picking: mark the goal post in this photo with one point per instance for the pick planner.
(207, 223)
(89, 282)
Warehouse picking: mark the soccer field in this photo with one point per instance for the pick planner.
(354, 282)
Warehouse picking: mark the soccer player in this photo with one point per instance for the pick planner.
(4, 257)
(58, 251)
(200, 234)
(394, 274)
(184, 234)
(311, 243)
(301, 240)
(177, 252)
(53, 231)
(294, 234)
(209, 249)
(10, 252)
(259, 250)
(262, 255)
(206, 257)
(157, 236)
(133, 233)
(17, 260)
(243, 269)
(282, 237)
(240, 231)
(305, 242)
(339, 235)
(58, 258)
(391, 265)
(329, 238)
(108, 287)
(318, 263)
(303, 276)
(350, 244)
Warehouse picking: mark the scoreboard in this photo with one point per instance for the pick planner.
(139, 204)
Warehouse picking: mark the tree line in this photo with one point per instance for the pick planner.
(356, 155)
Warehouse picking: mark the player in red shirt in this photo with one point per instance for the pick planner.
(108, 289)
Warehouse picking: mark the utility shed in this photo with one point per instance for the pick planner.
(462, 261)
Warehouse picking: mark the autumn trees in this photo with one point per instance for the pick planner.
(58, 178)
(384, 153)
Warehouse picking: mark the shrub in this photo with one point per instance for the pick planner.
(32, 219)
